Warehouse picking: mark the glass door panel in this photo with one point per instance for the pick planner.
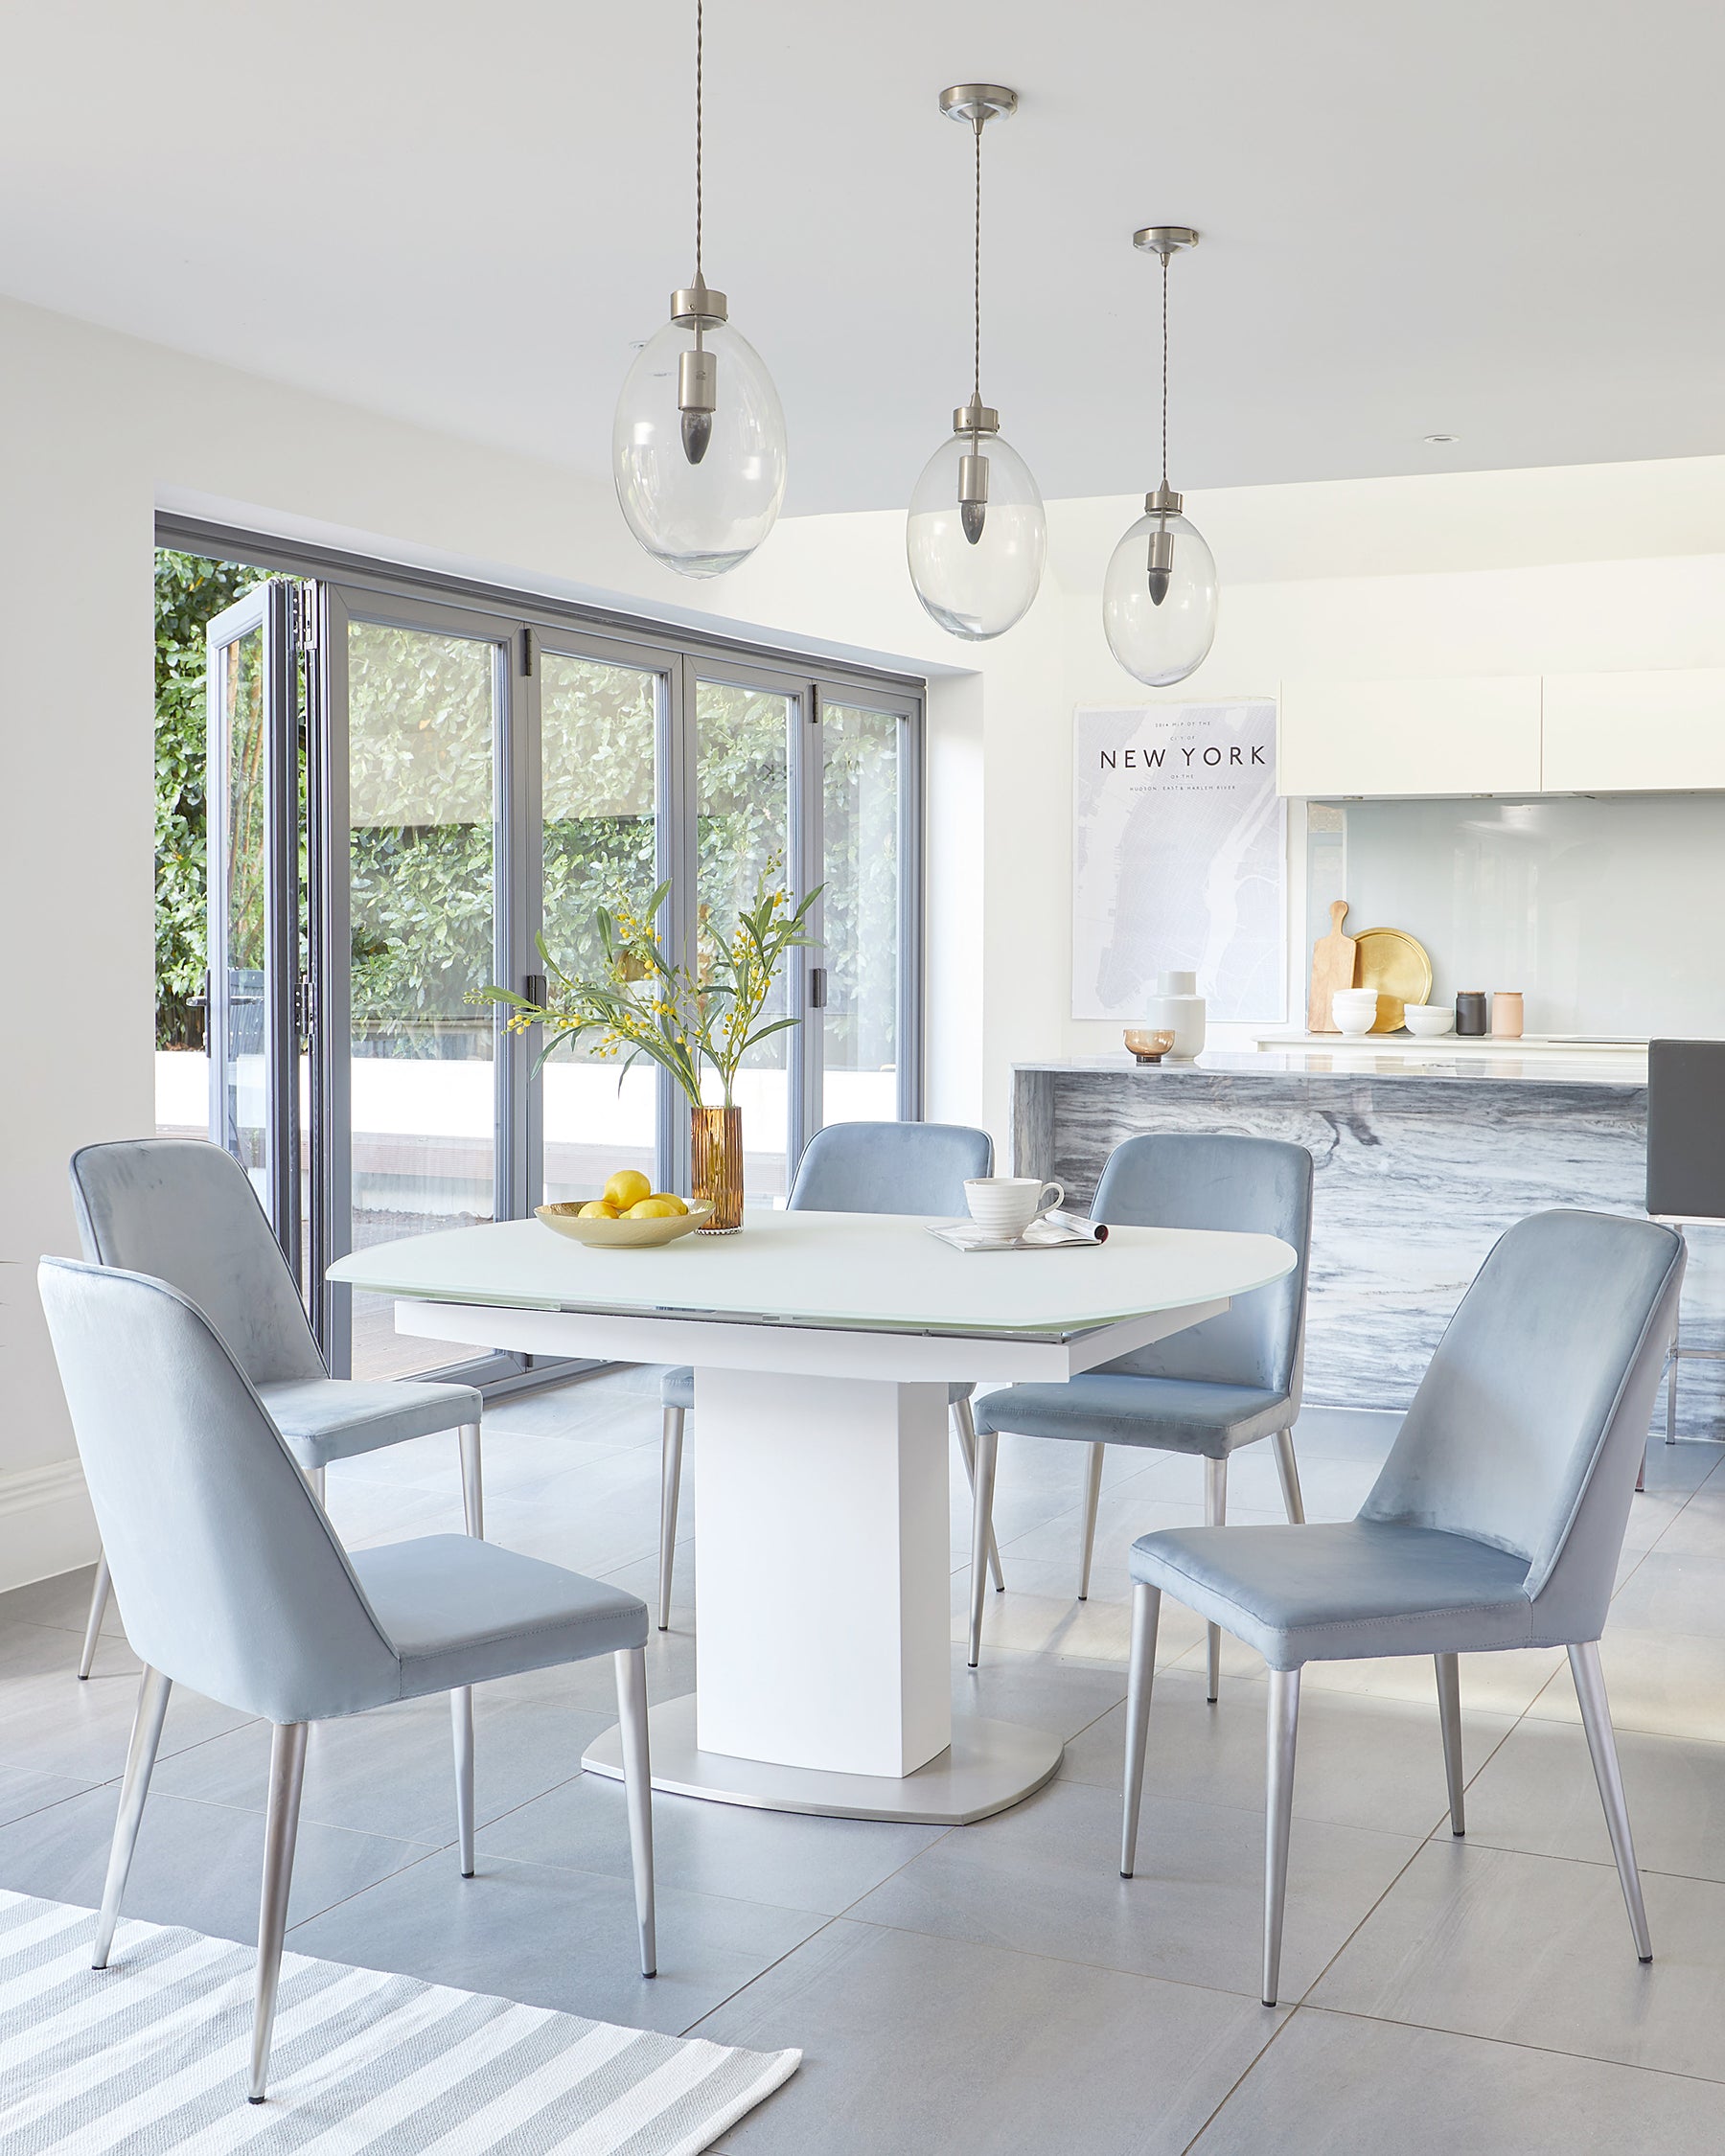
(599, 728)
(743, 831)
(860, 795)
(422, 722)
(252, 797)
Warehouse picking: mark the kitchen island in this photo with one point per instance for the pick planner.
(1423, 1159)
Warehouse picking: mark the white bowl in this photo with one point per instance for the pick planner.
(1429, 1020)
(1355, 1009)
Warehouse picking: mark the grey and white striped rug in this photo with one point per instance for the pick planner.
(149, 2059)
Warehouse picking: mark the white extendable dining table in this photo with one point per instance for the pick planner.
(823, 1344)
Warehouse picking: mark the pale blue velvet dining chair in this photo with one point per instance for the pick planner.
(1208, 1391)
(184, 1210)
(233, 1582)
(1497, 1520)
(850, 1168)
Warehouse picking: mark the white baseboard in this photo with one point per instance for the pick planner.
(46, 1523)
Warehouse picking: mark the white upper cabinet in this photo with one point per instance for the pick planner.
(1631, 733)
(1473, 735)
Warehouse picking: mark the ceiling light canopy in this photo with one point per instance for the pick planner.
(698, 444)
(975, 536)
(1159, 597)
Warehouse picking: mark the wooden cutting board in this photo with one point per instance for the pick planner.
(1334, 958)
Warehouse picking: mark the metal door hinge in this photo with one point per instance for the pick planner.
(814, 706)
(305, 616)
(533, 987)
(304, 1006)
(526, 652)
(817, 988)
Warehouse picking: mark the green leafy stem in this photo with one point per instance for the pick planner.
(641, 1004)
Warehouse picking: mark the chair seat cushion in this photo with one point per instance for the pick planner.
(1111, 1407)
(676, 1389)
(1342, 1592)
(336, 1418)
(459, 1611)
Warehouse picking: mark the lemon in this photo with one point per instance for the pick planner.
(670, 1198)
(597, 1208)
(626, 1188)
(657, 1208)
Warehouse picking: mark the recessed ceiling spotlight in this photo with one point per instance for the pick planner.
(1443, 438)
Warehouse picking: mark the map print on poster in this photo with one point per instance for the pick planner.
(1179, 859)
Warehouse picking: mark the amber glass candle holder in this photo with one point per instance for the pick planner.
(716, 1163)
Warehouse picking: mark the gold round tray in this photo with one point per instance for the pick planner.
(622, 1234)
(1391, 961)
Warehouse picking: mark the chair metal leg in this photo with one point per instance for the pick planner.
(1279, 1817)
(1596, 1719)
(315, 1477)
(637, 1784)
(280, 1830)
(140, 1760)
(1215, 1515)
(461, 1718)
(1449, 1713)
(981, 1513)
(473, 1486)
(966, 1425)
(1288, 1468)
(1671, 1383)
(670, 1441)
(1093, 1498)
(1146, 1610)
(99, 1602)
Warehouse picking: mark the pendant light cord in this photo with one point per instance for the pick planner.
(1165, 479)
(976, 279)
(700, 28)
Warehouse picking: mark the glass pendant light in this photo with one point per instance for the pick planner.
(1159, 597)
(698, 444)
(975, 536)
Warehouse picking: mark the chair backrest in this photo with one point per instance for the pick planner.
(1248, 1185)
(1532, 1415)
(1686, 1131)
(891, 1168)
(184, 1211)
(230, 1577)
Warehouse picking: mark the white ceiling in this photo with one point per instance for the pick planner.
(1499, 219)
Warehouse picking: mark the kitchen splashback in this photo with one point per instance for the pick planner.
(1607, 912)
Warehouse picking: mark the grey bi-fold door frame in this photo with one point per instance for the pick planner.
(309, 621)
(252, 941)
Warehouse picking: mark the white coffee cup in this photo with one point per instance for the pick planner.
(1005, 1205)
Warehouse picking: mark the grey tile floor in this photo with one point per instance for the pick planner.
(999, 1987)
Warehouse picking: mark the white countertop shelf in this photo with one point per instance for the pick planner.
(1381, 1056)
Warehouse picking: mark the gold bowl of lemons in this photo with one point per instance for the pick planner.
(631, 1216)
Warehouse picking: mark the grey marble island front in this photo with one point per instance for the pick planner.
(1422, 1160)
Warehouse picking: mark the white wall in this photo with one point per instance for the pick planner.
(97, 430)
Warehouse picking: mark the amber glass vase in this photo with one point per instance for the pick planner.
(716, 1161)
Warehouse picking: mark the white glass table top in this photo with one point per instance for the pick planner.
(833, 1269)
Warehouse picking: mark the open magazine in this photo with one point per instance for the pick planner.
(1053, 1231)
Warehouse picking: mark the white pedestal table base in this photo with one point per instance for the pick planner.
(989, 1767)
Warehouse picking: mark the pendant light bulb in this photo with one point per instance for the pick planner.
(698, 444)
(975, 536)
(1159, 597)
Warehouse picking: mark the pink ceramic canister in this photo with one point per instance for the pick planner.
(1506, 1014)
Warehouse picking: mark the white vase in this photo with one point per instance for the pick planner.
(1178, 1008)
